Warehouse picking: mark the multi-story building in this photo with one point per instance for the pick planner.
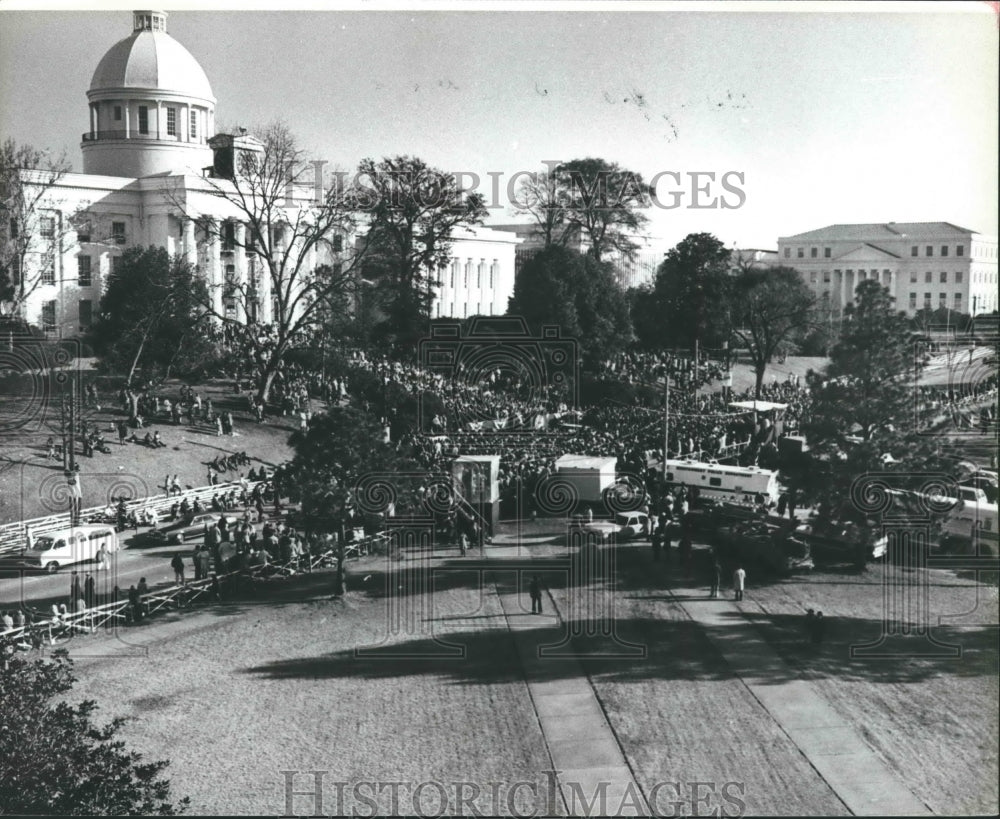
(924, 264)
(153, 174)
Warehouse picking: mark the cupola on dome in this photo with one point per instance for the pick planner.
(151, 59)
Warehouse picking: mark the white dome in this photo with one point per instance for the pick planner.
(152, 60)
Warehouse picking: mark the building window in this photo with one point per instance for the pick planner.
(47, 227)
(116, 263)
(943, 299)
(83, 269)
(800, 252)
(143, 119)
(826, 295)
(118, 113)
(914, 251)
(83, 232)
(171, 122)
(338, 243)
(826, 277)
(960, 250)
(193, 124)
(813, 252)
(958, 301)
(48, 273)
(86, 312)
(788, 253)
(49, 315)
(944, 250)
(826, 253)
(118, 232)
(812, 277)
(913, 301)
(228, 236)
(944, 277)
(927, 300)
(958, 277)
(913, 277)
(930, 250)
(928, 277)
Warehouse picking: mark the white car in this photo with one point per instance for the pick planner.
(624, 525)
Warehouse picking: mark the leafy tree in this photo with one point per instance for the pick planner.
(691, 294)
(152, 319)
(341, 447)
(604, 202)
(30, 222)
(772, 310)
(54, 760)
(864, 402)
(284, 234)
(413, 210)
(578, 293)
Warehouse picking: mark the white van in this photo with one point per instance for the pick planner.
(723, 482)
(63, 547)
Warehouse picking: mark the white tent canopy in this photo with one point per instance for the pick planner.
(758, 406)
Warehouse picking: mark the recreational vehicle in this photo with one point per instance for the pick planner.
(742, 484)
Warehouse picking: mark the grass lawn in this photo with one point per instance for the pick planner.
(31, 486)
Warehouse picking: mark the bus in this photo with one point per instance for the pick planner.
(740, 484)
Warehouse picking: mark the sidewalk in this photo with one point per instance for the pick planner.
(594, 777)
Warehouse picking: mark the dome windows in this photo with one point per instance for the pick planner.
(149, 21)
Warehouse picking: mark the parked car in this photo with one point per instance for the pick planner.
(843, 539)
(624, 525)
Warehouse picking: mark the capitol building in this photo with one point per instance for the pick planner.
(151, 162)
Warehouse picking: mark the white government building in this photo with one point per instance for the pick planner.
(924, 264)
(149, 147)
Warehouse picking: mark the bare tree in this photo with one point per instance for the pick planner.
(544, 198)
(32, 223)
(296, 240)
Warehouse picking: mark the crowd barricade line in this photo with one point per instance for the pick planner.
(179, 595)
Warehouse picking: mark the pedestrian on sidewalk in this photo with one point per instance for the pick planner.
(739, 581)
(535, 590)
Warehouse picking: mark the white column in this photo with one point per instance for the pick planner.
(214, 275)
(159, 120)
(128, 124)
(190, 245)
(240, 259)
(185, 126)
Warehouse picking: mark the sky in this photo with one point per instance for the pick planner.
(819, 113)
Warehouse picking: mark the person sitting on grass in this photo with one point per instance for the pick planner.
(157, 441)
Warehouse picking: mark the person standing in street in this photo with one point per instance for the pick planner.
(716, 578)
(739, 581)
(177, 564)
(535, 591)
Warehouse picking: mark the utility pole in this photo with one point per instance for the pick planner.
(71, 465)
(666, 421)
